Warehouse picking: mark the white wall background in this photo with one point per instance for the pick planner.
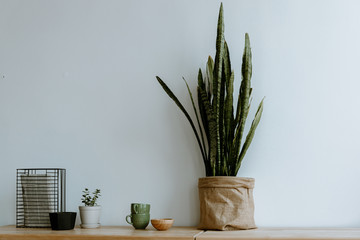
(78, 91)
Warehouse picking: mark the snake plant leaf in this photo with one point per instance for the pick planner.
(247, 113)
(227, 62)
(228, 107)
(201, 84)
(208, 164)
(197, 119)
(212, 130)
(229, 85)
(243, 101)
(229, 122)
(220, 42)
(236, 147)
(221, 126)
(205, 123)
(238, 109)
(210, 75)
(245, 83)
(175, 99)
(250, 134)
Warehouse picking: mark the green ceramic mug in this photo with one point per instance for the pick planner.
(138, 221)
(137, 208)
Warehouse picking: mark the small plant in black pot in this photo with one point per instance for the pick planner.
(90, 212)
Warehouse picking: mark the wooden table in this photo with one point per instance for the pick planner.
(179, 233)
(105, 232)
(285, 234)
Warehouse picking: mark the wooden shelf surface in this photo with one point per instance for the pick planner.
(104, 232)
(179, 233)
(284, 234)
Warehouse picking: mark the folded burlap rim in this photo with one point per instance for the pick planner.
(226, 182)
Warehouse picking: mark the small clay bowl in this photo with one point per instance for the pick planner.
(162, 224)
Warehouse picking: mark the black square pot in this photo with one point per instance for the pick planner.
(62, 220)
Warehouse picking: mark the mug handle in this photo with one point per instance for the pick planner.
(127, 217)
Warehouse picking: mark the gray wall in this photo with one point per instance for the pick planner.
(78, 91)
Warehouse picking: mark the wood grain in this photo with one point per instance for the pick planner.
(103, 233)
(179, 233)
(284, 234)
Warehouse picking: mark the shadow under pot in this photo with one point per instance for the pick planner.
(62, 220)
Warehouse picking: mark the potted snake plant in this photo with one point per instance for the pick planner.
(226, 201)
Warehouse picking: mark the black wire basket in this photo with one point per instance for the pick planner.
(39, 191)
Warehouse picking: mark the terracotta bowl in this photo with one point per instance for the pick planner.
(162, 224)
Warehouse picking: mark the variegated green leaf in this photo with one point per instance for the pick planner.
(220, 42)
(197, 119)
(212, 130)
(250, 135)
(210, 76)
(175, 99)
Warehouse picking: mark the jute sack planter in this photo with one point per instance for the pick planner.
(226, 203)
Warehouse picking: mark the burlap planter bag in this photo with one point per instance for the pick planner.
(226, 203)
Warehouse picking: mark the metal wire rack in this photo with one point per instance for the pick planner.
(39, 191)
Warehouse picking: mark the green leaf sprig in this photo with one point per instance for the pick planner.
(89, 200)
